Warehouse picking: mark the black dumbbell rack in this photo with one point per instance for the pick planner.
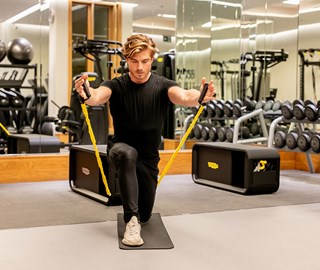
(300, 126)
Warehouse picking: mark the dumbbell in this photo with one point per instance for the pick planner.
(292, 139)
(204, 113)
(197, 131)
(255, 129)
(268, 105)
(228, 106)
(209, 133)
(312, 111)
(247, 105)
(219, 108)
(280, 138)
(315, 142)
(260, 104)
(211, 108)
(304, 139)
(276, 107)
(286, 110)
(299, 108)
(222, 134)
(244, 133)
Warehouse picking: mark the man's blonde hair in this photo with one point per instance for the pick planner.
(137, 43)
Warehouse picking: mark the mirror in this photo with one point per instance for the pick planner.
(211, 39)
(244, 35)
(23, 72)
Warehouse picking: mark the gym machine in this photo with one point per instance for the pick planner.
(70, 119)
(266, 59)
(303, 53)
(165, 66)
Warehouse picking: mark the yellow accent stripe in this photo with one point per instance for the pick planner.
(184, 138)
(5, 130)
(94, 143)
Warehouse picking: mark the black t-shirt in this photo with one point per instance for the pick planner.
(139, 111)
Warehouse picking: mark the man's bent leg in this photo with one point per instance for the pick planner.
(147, 174)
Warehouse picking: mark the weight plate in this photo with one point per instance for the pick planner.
(260, 104)
(197, 131)
(311, 112)
(298, 101)
(227, 108)
(210, 110)
(238, 101)
(286, 111)
(276, 106)
(213, 136)
(219, 110)
(308, 102)
(268, 106)
(237, 110)
(298, 112)
(205, 133)
(249, 104)
(229, 134)
(255, 129)
(204, 112)
(315, 143)
(303, 142)
(222, 134)
(292, 140)
(280, 139)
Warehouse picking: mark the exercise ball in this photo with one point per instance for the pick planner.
(20, 51)
(3, 50)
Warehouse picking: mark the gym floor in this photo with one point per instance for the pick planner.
(265, 236)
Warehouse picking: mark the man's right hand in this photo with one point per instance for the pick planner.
(78, 85)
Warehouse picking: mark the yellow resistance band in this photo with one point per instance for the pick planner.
(94, 143)
(184, 138)
(5, 130)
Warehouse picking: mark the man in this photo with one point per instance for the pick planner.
(139, 101)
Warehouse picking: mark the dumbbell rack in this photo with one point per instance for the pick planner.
(300, 123)
(237, 124)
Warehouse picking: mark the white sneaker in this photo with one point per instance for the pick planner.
(132, 234)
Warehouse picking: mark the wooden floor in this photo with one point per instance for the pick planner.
(50, 167)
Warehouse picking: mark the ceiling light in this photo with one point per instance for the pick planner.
(168, 16)
(227, 4)
(292, 2)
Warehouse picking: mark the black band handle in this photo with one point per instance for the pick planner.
(86, 90)
(203, 93)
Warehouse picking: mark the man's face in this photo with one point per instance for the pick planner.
(140, 66)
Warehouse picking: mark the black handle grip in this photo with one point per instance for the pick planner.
(203, 93)
(86, 90)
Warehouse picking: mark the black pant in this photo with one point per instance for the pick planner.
(137, 181)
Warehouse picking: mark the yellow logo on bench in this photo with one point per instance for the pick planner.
(213, 165)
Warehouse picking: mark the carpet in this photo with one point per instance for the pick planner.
(37, 204)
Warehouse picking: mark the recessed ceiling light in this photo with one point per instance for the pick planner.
(292, 2)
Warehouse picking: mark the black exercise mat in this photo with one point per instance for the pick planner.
(153, 233)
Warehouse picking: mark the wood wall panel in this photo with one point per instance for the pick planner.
(51, 167)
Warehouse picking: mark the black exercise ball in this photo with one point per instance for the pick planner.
(20, 51)
(3, 50)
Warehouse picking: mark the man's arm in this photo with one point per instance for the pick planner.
(190, 97)
(98, 96)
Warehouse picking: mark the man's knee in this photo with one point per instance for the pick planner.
(123, 151)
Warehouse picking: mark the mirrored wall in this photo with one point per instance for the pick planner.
(254, 49)
(249, 48)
